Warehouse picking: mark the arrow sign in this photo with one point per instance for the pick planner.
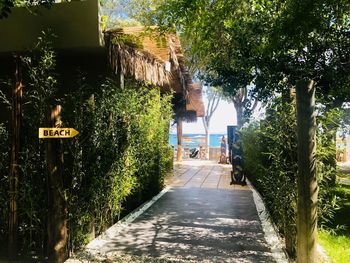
(61, 133)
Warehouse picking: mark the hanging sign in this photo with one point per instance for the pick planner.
(59, 133)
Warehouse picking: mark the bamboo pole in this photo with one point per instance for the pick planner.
(14, 173)
(307, 182)
(57, 206)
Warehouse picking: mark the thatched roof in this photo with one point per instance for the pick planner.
(147, 55)
(194, 99)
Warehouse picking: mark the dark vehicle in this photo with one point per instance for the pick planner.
(194, 153)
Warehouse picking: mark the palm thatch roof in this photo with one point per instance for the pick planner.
(147, 55)
(194, 99)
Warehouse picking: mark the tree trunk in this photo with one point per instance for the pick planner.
(307, 183)
(179, 140)
(239, 112)
(14, 171)
(57, 205)
(207, 144)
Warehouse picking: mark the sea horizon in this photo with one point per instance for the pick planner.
(214, 140)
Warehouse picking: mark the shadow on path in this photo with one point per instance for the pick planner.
(192, 222)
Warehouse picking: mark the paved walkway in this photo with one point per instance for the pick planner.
(200, 218)
(344, 181)
(345, 169)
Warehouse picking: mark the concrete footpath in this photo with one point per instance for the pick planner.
(198, 218)
(344, 168)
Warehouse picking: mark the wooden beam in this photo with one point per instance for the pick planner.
(14, 171)
(307, 182)
(57, 206)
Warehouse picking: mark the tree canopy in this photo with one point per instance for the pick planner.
(270, 44)
(274, 46)
(6, 5)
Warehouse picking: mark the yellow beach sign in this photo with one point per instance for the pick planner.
(59, 133)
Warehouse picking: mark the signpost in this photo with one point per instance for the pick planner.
(236, 156)
(59, 133)
(230, 140)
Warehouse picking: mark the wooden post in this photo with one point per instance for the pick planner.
(15, 144)
(179, 139)
(307, 182)
(119, 73)
(57, 206)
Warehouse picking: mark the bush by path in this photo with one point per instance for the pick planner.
(121, 155)
(270, 154)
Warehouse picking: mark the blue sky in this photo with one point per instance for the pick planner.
(224, 115)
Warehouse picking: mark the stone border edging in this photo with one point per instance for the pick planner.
(98, 242)
(322, 253)
(271, 235)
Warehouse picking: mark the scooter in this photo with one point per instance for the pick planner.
(194, 153)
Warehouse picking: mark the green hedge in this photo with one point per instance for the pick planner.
(270, 154)
(4, 173)
(121, 154)
(122, 151)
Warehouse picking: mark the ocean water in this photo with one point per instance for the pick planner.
(214, 139)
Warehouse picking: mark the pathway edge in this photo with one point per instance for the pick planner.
(99, 241)
(271, 235)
